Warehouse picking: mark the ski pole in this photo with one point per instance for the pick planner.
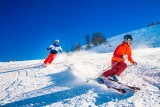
(40, 62)
(104, 70)
(129, 65)
(65, 58)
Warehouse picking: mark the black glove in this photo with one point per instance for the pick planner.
(134, 63)
(60, 51)
(48, 48)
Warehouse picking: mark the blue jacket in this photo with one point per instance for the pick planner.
(55, 48)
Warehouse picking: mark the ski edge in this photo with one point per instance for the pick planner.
(131, 87)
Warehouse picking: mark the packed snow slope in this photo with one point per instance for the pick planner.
(62, 84)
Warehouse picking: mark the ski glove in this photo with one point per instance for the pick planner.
(125, 56)
(134, 63)
(60, 51)
(48, 48)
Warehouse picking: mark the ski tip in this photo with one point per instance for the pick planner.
(87, 81)
(136, 88)
(122, 91)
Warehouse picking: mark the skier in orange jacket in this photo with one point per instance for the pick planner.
(122, 52)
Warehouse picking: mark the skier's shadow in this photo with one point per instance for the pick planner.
(62, 79)
(48, 99)
(113, 96)
(65, 79)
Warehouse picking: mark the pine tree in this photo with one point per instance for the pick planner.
(88, 43)
(98, 38)
(94, 41)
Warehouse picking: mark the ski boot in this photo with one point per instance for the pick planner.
(43, 65)
(113, 77)
(100, 80)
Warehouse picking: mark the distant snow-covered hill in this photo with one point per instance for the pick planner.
(148, 37)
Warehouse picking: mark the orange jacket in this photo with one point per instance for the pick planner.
(122, 49)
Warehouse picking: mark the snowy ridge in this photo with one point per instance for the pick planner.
(62, 84)
(148, 37)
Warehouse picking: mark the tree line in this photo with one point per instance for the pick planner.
(153, 23)
(95, 40)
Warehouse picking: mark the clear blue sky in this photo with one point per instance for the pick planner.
(28, 27)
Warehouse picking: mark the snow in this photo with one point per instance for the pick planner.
(143, 38)
(63, 83)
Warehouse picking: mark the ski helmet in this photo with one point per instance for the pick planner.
(57, 41)
(128, 37)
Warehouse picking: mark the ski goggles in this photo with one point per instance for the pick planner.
(130, 41)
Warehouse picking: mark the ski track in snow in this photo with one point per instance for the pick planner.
(62, 84)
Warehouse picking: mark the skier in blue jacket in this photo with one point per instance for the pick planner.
(55, 47)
